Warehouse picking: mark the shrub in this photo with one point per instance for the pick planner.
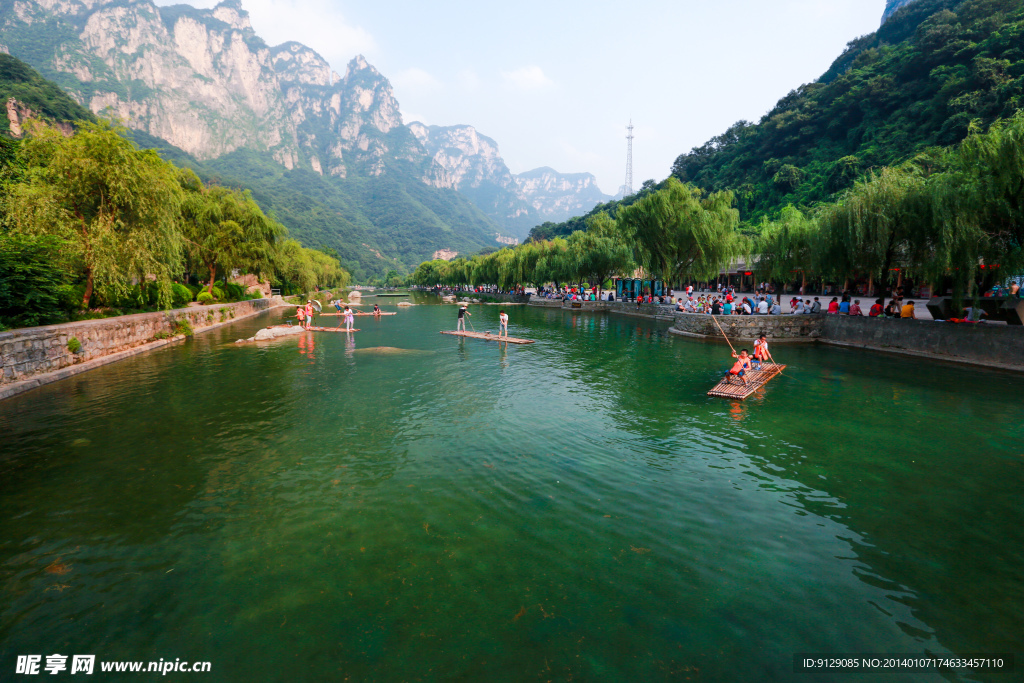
(235, 292)
(218, 293)
(33, 287)
(74, 346)
(183, 326)
(204, 297)
(181, 295)
(195, 289)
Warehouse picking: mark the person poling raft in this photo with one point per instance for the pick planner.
(752, 371)
(460, 330)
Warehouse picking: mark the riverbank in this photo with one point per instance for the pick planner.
(33, 356)
(986, 345)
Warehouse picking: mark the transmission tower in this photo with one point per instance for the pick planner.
(627, 189)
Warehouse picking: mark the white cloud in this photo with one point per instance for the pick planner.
(527, 78)
(415, 79)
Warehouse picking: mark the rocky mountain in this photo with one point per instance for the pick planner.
(472, 164)
(557, 196)
(202, 87)
(205, 89)
(891, 6)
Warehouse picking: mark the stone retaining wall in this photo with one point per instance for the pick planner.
(1000, 346)
(31, 351)
(654, 311)
(780, 328)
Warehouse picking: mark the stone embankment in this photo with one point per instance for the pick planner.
(653, 311)
(997, 346)
(32, 356)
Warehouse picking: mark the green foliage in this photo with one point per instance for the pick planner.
(225, 229)
(33, 286)
(181, 295)
(45, 99)
(74, 346)
(183, 327)
(204, 298)
(373, 223)
(114, 207)
(680, 234)
(916, 83)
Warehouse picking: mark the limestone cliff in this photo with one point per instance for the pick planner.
(206, 83)
(558, 196)
(472, 164)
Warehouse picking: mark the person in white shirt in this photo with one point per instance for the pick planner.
(762, 307)
(503, 323)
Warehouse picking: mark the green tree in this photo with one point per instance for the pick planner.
(33, 284)
(786, 245)
(679, 233)
(114, 207)
(226, 229)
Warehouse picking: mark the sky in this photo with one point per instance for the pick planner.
(555, 82)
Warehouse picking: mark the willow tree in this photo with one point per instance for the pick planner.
(307, 268)
(225, 229)
(786, 245)
(978, 206)
(679, 233)
(555, 263)
(873, 225)
(596, 258)
(115, 207)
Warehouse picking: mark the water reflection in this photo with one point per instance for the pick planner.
(402, 512)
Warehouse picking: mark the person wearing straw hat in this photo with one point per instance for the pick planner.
(461, 325)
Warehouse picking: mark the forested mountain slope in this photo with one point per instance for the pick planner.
(919, 81)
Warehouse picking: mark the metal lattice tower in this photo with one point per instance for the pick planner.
(627, 189)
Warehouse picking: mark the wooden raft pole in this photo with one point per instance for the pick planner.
(734, 387)
(487, 336)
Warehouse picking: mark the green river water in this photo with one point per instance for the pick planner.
(312, 510)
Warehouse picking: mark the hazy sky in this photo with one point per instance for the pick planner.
(555, 82)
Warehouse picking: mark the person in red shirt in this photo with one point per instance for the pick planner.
(877, 309)
(739, 368)
(855, 308)
(833, 306)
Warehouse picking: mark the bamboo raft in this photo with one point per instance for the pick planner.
(487, 336)
(318, 329)
(734, 388)
(337, 315)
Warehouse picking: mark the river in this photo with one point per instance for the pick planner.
(318, 508)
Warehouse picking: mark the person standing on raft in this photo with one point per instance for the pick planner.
(309, 314)
(300, 314)
(349, 319)
(739, 368)
(502, 323)
(461, 325)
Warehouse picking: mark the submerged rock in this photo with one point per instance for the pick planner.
(269, 333)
